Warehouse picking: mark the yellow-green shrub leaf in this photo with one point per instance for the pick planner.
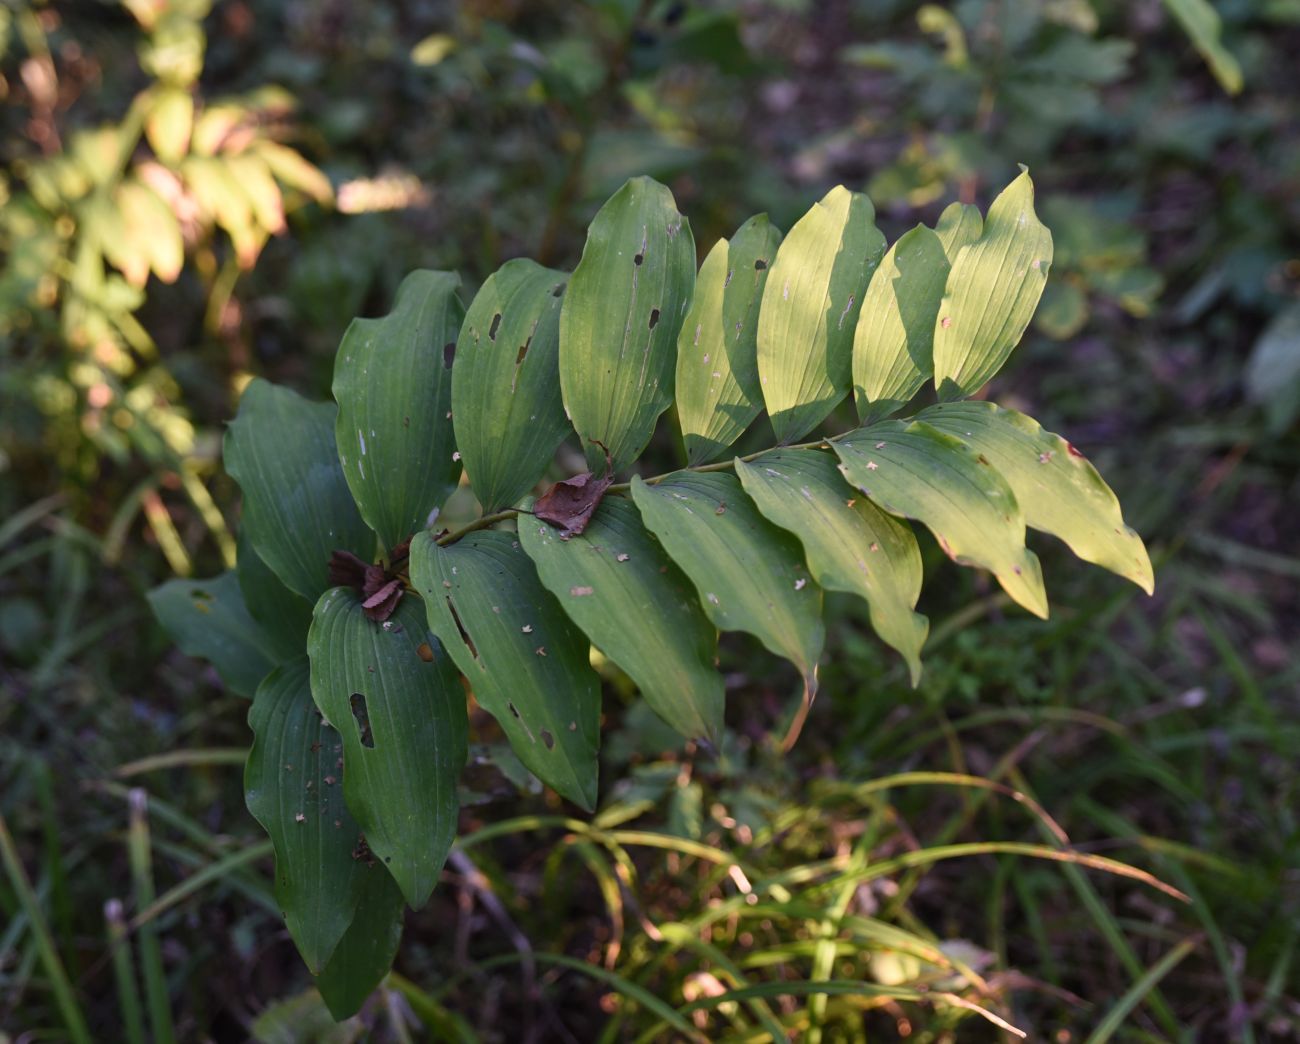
(718, 392)
(169, 123)
(505, 393)
(616, 582)
(959, 225)
(915, 471)
(1057, 487)
(620, 319)
(526, 662)
(392, 381)
(992, 291)
(810, 310)
(851, 544)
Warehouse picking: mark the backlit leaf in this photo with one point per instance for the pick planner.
(526, 662)
(894, 342)
(620, 319)
(851, 544)
(505, 395)
(1057, 487)
(959, 225)
(616, 582)
(1203, 25)
(750, 575)
(297, 507)
(718, 392)
(396, 700)
(392, 381)
(915, 471)
(992, 291)
(810, 310)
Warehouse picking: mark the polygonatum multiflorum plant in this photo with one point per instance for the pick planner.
(357, 624)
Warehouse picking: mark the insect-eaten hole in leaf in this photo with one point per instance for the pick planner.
(548, 739)
(362, 718)
(654, 318)
(425, 652)
(759, 265)
(513, 710)
(523, 352)
(638, 259)
(464, 634)
(448, 354)
(496, 325)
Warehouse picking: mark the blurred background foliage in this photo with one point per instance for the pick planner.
(197, 192)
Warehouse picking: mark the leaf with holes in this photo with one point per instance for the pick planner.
(750, 575)
(208, 619)
(506, 390)
(718, 393)
(915, 471)
(297, 507)
(810, 310)
(392, 381)
(1057, 487)
(396, 699)
(283, 615)
(851, 544)
(893, 345)
(616, 583)
(365, 953)
(993, 289)
(620, 319)
(526, 662)
(293, 786)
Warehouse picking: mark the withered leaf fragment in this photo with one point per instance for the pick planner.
(569, 504)
(381, 590)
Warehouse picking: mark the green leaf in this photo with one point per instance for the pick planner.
(505, 394)
(750, 575)
(208, 619)
(365, 954)
(992, 291)
(718, 392)
(526, 662)
(293, 786)
(915, 471)
(620, 319)
(392, 381)
(959, 225)
(297, 508)
(1063, 311)
(1057, 487)
(403, 722)
(810, 310)
(894, 342)
(283, 616)
(1202, 24)
(616, 582)
(1273, 370)
(851, 544)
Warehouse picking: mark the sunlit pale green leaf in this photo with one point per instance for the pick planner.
(616, 582)
(894, 342)
(959, 225)
(718, 393)
(526, 662)
(1057, 487)
(297, 507)
(153, 229)
(506, 391)
(993, 289)
(392, 381)
(915, 471)
(396, 700)
(810, 310)
(1202, 24)
(283, 615)
(750, 575)
(169, 123)
(208, 619)
(851, 544)
(620, 319)
(364, 955)
(293, 786)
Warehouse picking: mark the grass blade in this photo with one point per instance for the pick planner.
(1116, 1016)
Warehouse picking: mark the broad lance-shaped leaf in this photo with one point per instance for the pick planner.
(1057, 487)
(959, 225)
(810, 310)
(365, 953)
(505, 395)
(894, 342)
(396, 699)
(528, 665)
(750, 575)
(297, 507)
(208, 619)
(620, 319)
(293, 786)
(392, 381)
(850, 543)
(283, 616)
(915, 471)
(993, 289)
(616, 582)
(718, 392)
